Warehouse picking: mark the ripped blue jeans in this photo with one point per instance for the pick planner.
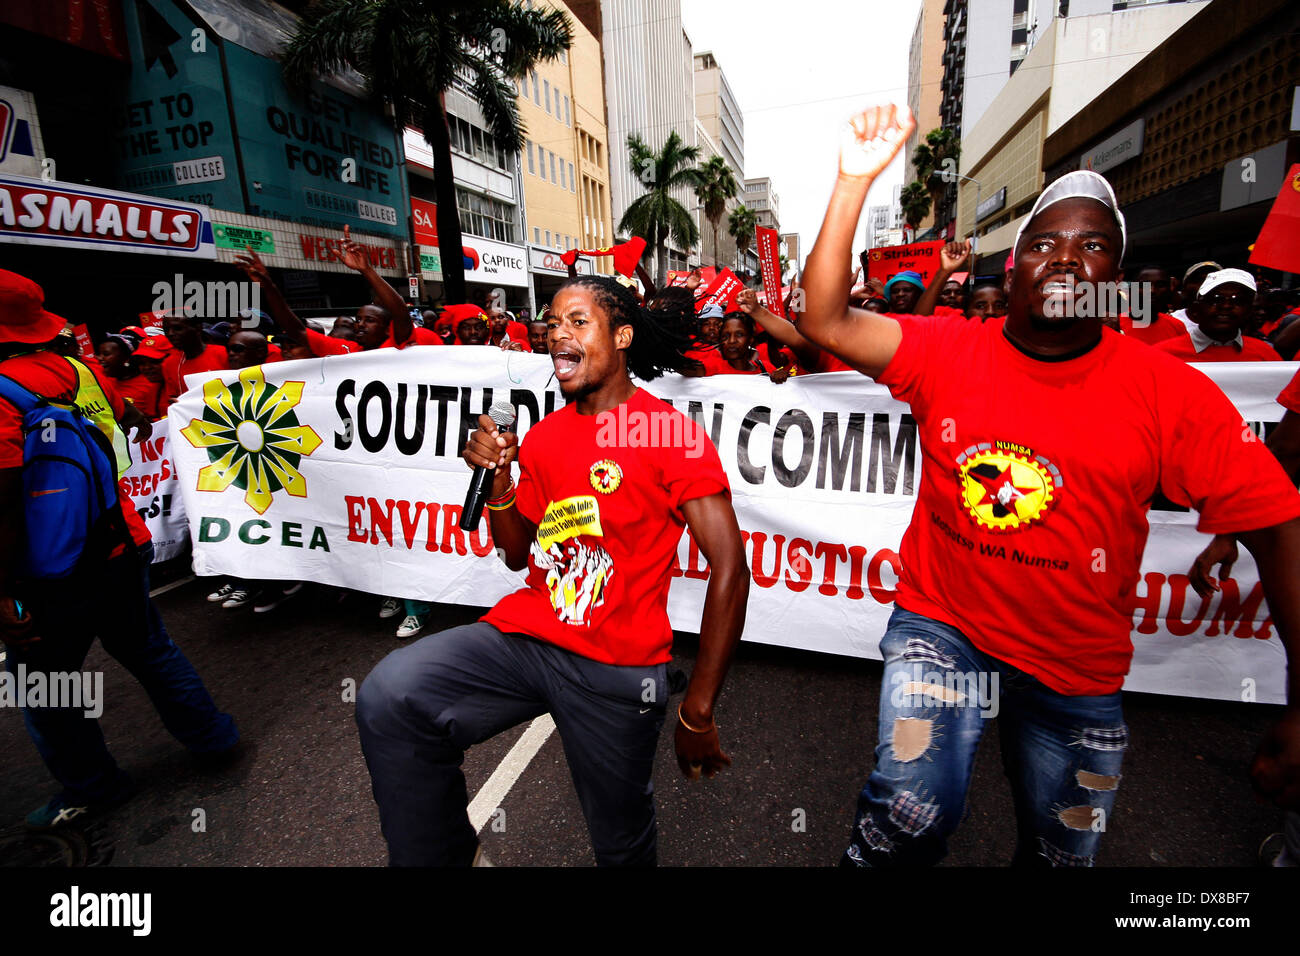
(1062, 754)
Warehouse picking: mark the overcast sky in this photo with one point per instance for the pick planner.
(798, 69)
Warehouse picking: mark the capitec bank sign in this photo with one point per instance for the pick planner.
(495, 262)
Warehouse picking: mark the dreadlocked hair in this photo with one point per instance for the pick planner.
(659, 339)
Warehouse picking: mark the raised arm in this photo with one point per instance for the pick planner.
(713, 525)
(865, 340)
(354, 257)
(784, 332)
(492, 448)
(286, 320)
(951, 258)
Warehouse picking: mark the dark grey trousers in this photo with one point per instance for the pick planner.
(425, 704)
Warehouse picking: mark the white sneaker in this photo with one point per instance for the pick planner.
(238, 598)
(411, 626)
(390, 608)
(221, 593)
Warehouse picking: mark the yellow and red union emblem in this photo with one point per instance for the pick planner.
(605, 476)
(253, 438)
(1006, 487)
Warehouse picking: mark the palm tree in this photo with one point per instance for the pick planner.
(935, 161)
(915, 200)
(741, 225)
(719, 185)
(410, 52)
(656, 216)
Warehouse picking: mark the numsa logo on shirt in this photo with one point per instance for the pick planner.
(1005, 486)
(605, 476)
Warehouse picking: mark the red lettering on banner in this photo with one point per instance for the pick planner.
(1232, 611)
(759, 540)
(381, 521)
(831, 552)
(882, 594)
(1179, 585)
(1149, 603)
(799, 562)
(409, 525)
(356, 531)
(451, 528)
(854, 591)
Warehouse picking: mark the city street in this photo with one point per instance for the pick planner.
(797, 725)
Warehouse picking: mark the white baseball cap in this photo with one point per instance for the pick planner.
(1239, 276)
(1080, 182)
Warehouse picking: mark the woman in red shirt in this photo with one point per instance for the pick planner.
(115, 357)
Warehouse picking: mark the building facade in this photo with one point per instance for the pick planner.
(925, 83)
(649, 91)
(720, 131)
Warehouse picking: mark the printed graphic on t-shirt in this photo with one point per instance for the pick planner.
(577, 571)
(605, 476)
(1005, 486)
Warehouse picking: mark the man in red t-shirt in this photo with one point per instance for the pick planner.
(190, 354)
(1044, 437)
(106, 596)
(595, 519)
(1220, 313)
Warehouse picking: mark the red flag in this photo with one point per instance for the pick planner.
(626, 255)
(769, 264)
(1278, 245)
(721, 291)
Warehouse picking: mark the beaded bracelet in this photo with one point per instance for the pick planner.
(502, 505)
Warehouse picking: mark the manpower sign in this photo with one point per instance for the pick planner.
(347, 471)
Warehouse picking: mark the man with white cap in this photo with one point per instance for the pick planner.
(1044, 436)
(1221, 310)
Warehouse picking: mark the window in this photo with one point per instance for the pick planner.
(537, 236)
(548, 237)
(566, 112)
(566, 244)
(531, 168)
(562, 183)
(572, 186)
(546, 94)
(537, 98)
(486, 217)
(552, 155)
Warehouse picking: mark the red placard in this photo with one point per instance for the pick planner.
(84, 340)
(922, 257)
(721, 291)
(425, 215)
(769, 263)
(1278, 245)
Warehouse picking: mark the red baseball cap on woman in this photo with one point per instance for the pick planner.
(22, 311)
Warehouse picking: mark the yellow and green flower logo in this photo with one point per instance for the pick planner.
(253, 438)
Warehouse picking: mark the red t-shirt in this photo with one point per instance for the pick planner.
(1163, 327)
(139, 391)
(515, 332)
(1036, 478)
(826, 362)
(176, 366)
(327, 345)
(53, 377)
(606, 496)
(1290, 397)
(1252, 350)
(419, 336)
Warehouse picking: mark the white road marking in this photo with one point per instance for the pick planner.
(167, 587)
(489, 797)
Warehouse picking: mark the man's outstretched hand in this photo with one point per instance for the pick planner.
(873, 139)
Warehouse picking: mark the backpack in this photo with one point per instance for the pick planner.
(70, 469)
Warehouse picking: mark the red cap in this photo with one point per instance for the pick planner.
(22, 311)
(154, 347)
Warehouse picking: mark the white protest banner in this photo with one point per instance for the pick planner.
(150, 484)
(347, 471)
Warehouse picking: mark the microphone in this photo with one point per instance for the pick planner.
(503, 414)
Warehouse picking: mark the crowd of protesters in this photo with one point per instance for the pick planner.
(1207, 312)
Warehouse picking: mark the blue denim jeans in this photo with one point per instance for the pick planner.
(113, 604)
(1062, 754)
